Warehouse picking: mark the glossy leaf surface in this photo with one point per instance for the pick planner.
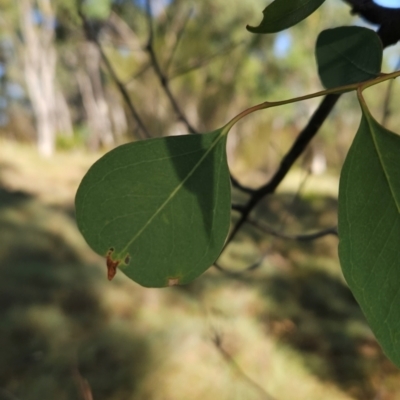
(282, 14)
(159, 209)
(369, 229)
(348, 54)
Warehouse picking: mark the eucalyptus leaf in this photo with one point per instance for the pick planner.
(369, 229)
(282, 14)
(159, 209)
(348, 54)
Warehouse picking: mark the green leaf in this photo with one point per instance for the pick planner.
(369, 229)
(97, 9)
(282, 14)
(158, 209)
(346, 55)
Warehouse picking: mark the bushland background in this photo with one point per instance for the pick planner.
(287, 329)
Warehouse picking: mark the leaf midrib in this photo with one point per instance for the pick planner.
(370, 123)
(288, 14)
(173, 193)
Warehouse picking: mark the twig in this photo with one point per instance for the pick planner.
(92, 37)
(179, 37)
(160, 74)
(304, 237)
(201, 63)
(217, 340)
(164, 81)
(277, 233)
(386, 104)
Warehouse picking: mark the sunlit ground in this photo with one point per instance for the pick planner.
(289, 329)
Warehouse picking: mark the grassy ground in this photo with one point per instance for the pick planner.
(289, 329)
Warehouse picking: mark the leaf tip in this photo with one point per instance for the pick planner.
(251, 29)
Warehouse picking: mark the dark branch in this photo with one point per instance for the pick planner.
(164, 82)
(288, 160)
(388, 19)
(305, 237)
(389, 32)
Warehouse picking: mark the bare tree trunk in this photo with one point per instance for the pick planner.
(94, 100)
(39, 67)
(63, 116)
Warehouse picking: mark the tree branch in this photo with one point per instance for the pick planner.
(164, 82)
(388, 19)
(288, 160)
(92, 36)
(305, 237)
(389, 32)
(179, 37)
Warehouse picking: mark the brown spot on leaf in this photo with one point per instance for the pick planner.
(111, 265)
(173, 281)
(127, 259)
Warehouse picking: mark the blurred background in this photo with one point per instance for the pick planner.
(79, 78)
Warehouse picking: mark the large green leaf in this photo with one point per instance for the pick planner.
(282, 14)
(158, 209)
(348, 54)
(369, 229)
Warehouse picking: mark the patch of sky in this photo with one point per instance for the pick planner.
(388, 3)
(14, 91)
(282, 44)
(39, 19)
(124, 51)
(157, 6)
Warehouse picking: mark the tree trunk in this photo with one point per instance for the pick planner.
(94, 100)
(39, 67)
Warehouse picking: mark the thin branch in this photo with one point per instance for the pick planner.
(205, 61)
(305, 237)
(179, 37)
(386, 104)
(278, 233)
(93, 37)
(160, 74)
(164, 81)
(217, 340)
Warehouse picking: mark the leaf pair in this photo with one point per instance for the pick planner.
(369, 190)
